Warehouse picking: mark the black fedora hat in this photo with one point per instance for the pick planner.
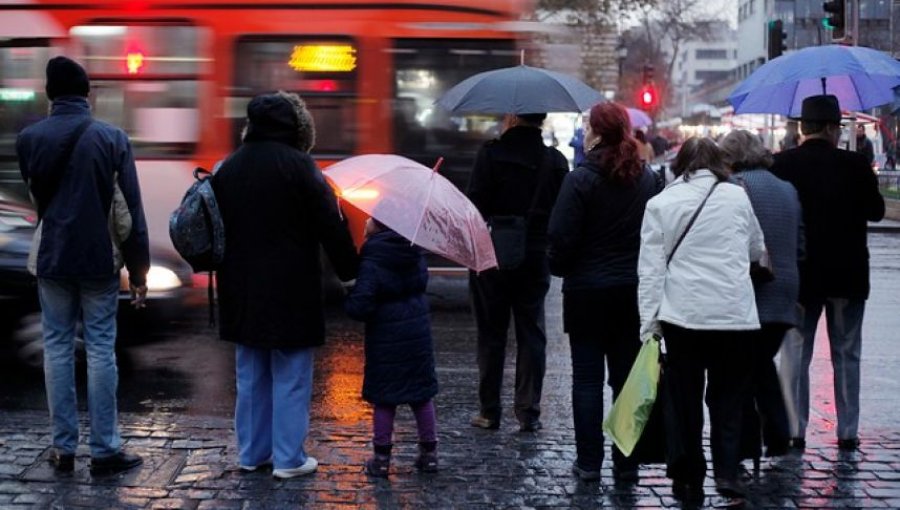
(824, 108)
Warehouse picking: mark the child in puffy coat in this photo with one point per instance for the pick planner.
(389, 296)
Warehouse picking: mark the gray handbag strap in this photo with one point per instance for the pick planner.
(690, 223)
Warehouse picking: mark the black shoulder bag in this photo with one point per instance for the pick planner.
(509, 233)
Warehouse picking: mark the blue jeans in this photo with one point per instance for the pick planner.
(271, 415)
(603, 326)
(95, 302)
(844, 318)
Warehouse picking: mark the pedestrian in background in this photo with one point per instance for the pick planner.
(82, 176)
(594, 235)
(839, 193)
(864, 145)
(515, 176)
(277, 211)
(697, 240)
(777, 208)
(389, 296)
(645, 150)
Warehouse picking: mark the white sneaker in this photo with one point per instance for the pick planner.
(308, 467)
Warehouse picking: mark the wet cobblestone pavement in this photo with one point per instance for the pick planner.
(188, 444)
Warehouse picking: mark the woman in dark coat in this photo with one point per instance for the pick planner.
(594, 237)
(777, 207)
(277, 210)
(389, 296)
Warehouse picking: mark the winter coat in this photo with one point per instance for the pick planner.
(389, 296)
(277, 211)
(506, 175)
(839, 194)
(707, 284)
(79, 236)
(595, 228)
(777, 208)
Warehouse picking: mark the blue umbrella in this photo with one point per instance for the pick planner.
(861, 78)
(638, 118)
(519, 89)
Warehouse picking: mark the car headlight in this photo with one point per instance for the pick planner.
(161, 278)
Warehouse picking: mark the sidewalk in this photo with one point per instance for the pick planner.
(189, 461)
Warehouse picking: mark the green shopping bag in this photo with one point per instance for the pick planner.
(630, 412)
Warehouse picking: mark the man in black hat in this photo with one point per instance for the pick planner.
(81, 175)
(839, 194)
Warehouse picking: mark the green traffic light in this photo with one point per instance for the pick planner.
(826, 22)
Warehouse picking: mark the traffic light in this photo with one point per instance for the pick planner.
(836, 19)
(777, 39)
(648, 97)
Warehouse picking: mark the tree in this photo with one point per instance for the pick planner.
(594, 30)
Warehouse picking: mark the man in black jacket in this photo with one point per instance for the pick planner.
(839, 194)
(515, 176)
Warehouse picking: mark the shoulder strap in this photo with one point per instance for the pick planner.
(61, 164)
(544, 172)
(690, 223)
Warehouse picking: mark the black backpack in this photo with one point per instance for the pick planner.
(198, 232)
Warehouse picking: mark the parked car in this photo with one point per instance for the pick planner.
(169, 285)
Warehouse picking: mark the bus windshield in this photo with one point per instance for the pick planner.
(423, 70)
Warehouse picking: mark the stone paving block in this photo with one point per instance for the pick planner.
(174, 504)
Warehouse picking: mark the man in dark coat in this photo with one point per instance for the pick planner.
(277, 210)
(74, 167)
(839, 194)
(515, 176)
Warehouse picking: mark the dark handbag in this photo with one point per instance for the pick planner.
(762, 270)
(508, 234)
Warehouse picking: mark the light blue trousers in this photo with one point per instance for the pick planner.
(271, 416)
(844, 318)
(95, 302)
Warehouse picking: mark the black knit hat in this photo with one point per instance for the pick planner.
(65, 77)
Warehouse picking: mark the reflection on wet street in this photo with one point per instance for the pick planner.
(177, 394)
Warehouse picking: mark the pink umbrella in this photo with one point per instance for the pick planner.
(417, 203)
(639, 118)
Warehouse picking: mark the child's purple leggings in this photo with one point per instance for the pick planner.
(383, 423)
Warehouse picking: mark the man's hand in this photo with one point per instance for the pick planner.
(138, 296)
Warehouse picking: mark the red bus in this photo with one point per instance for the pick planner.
(177, 76)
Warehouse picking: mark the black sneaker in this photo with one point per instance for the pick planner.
(730, 488)
(115, 463)
(688, 493)
(62, 462)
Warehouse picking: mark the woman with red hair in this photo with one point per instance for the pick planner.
(594, 235)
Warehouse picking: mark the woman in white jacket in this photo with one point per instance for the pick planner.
(699, 297)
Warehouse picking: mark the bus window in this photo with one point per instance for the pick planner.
(146, 79)
(22, 101)
(426, 68)
(322, 72)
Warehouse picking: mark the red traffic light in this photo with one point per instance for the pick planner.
(648, 97)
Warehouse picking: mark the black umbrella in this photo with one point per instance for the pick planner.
(520, 89)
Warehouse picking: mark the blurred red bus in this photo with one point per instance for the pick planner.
(177, 76)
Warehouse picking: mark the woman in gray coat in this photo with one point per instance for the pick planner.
(777, 208)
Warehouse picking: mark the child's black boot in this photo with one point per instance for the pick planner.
(380, 463)
(427, 460)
